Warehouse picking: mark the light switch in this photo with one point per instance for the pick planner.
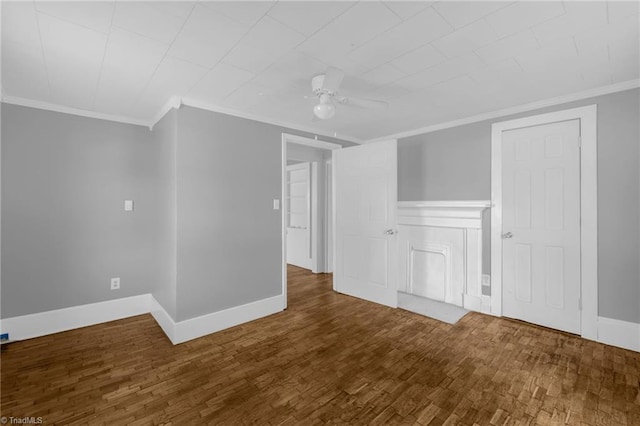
(128, 205)
(276, 204)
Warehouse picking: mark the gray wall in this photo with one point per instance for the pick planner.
(619, 206)
(64, 230)
(228, 235)
(450, 164)
(165, 135)
(228, 173)
(1, 107)
(455, 164)
(65, 233)
(203, 236)
(302, 153)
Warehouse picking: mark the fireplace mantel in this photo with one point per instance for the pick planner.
(454, 214)
(441, 251)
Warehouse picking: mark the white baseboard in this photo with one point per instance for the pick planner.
(478, 303)
(216, 321)
(43, 323)
(612, 332)
(619, 333)
(486, 304)
(472, 303)
(162, 317)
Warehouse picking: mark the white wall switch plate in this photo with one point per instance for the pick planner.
(276, 204)
(115, 283)
(128, 205)
(486, 280)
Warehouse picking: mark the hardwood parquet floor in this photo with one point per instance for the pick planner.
(329, 359)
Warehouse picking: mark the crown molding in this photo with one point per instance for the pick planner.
(14, 100)
(174, 102)
(599, 91)
(255, 117)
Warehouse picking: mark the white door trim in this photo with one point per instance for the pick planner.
(328, 217)
(301, 140)
(315, 143)
(588, 209)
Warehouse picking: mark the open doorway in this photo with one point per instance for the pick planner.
(307, 207)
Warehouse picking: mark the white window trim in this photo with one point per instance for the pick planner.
(588, 209)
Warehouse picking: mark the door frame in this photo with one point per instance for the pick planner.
(301, 140)
(588, 209)
(328, 215)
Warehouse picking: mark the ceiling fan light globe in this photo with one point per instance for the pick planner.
(324, 111)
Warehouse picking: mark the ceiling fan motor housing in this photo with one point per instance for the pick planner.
(316, 85)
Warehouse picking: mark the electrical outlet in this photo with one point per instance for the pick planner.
(115, 283)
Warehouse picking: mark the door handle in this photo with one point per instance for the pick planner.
(390, 232)
(507, 235)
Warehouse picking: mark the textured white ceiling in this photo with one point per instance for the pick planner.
(431, 61)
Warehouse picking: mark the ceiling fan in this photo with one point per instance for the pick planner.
(325, 88)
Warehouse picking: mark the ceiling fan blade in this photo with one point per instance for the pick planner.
(332, 79)
(363, 103)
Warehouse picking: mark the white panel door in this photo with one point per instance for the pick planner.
(541, 225)
(299, 215)
(365, 222)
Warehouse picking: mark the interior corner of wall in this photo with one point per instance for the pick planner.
(164, 319)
